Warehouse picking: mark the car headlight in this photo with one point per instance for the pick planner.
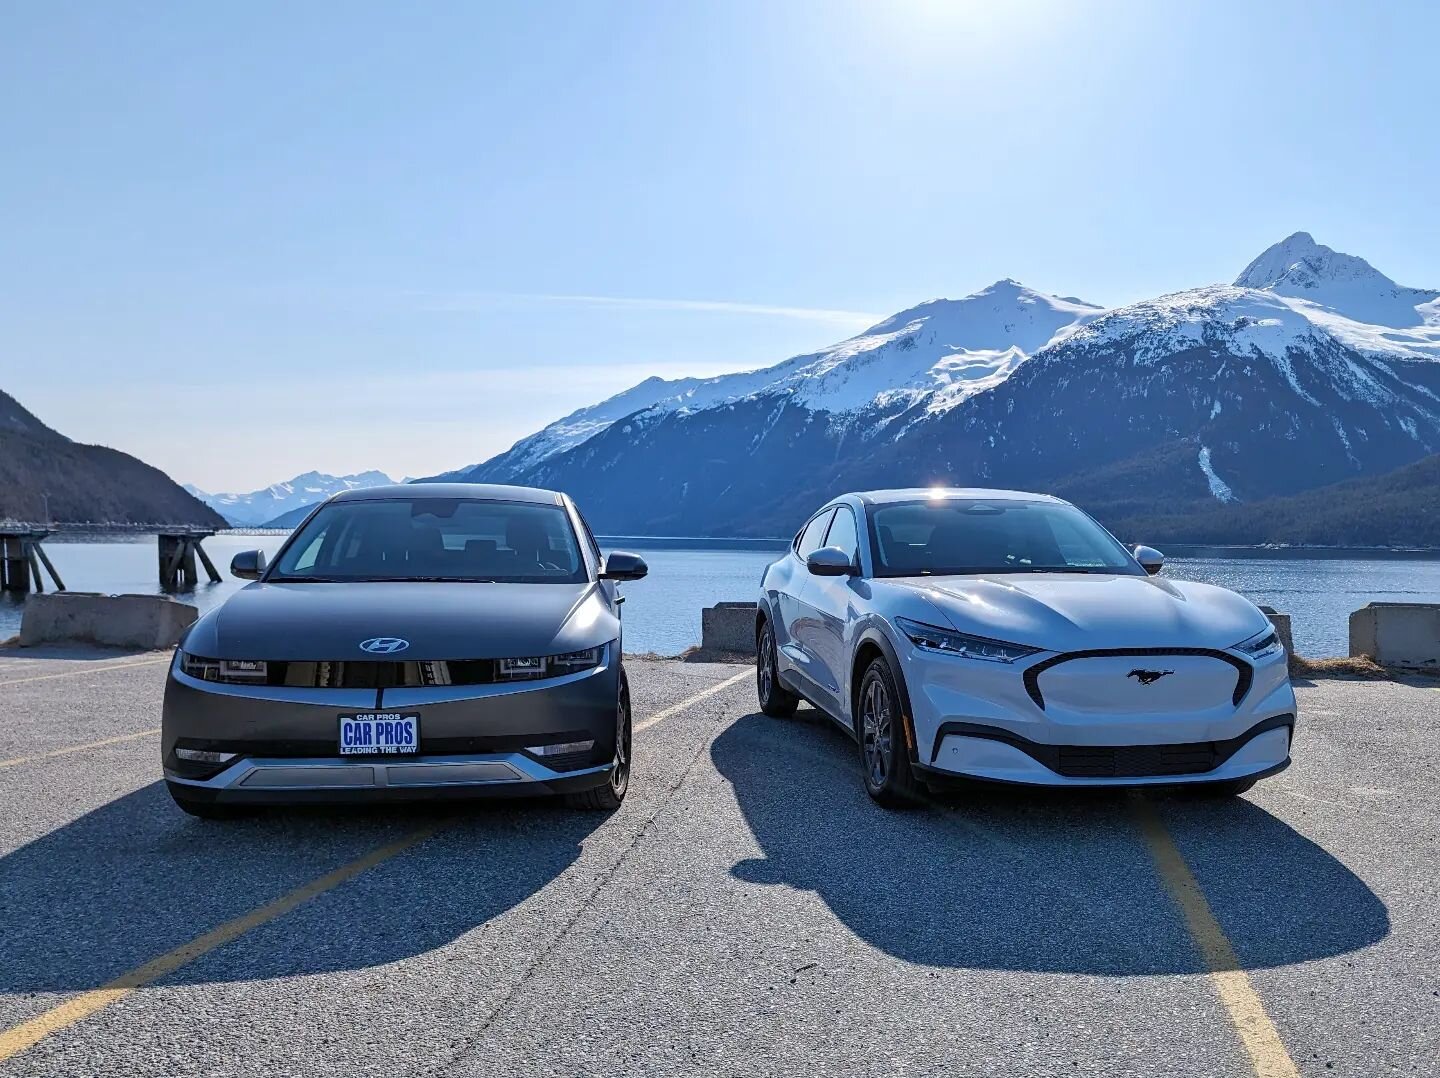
(1262, 645)
(949, 642)
(231, 671)
(529, 668)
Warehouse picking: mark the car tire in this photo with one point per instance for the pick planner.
(884, 752)
(611, 795)
(775, 700)
(1219, 791)
(207, 810)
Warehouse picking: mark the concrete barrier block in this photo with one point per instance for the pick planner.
(1282, 627)
(151, 622)
(728, 627)
(1403, 635)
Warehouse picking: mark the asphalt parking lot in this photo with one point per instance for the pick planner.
(747, 912)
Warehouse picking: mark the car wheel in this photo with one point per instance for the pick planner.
(775, 700)
(884, 755)
(207, 810)
(1218, 791)
(608, 798)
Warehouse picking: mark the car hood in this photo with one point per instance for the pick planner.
(440, 621)
(1080, 612)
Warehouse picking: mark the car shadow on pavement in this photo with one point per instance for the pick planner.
(1032, 881)
(136, 878)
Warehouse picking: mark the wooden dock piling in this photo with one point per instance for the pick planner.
(177, 553)
(21, 557)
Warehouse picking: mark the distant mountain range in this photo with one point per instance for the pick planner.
(282, 505)
(45, 476)
(1311, 369)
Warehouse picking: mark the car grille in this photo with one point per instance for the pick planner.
(382, 675)
(1244, 672)
(1135, 761)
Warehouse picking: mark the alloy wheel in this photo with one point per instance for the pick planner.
(876, 732)
(620, 772)
(765, 670)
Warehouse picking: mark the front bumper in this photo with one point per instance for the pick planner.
(262, 781)
(473, 739)
(1099, 726)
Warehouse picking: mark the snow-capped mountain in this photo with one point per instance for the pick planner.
(936, 354)
(1312, 368)
(259, 507)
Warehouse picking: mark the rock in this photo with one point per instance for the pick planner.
(728, 627)
(1403, 635)
(149, 622)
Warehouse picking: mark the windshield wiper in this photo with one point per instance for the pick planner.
(420, 580)
(302, 580)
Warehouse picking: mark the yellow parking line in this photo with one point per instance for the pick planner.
(76, 748)
(82, 673)
(660, 716)
(26, 1034)
(1257, 1032)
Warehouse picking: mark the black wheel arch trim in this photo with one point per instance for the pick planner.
(1039, 751)
(872, 635)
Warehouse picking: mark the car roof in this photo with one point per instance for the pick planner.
(911, 494)
(488, 492)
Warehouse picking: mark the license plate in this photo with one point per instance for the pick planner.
(384, 733)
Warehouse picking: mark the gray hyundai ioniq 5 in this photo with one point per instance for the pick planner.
(409, 642)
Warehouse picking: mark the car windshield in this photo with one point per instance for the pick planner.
(949, 537)
(434, 539)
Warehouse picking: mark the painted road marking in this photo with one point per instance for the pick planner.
(1257, 1032)
(76, 748)
(82, 673)
(660, 716)
(26, 1035)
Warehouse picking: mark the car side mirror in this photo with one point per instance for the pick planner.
(830, 561)
(248, 564)
(1150, 559)
(622, 565)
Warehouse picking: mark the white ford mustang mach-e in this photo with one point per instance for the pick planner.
(1002, 636)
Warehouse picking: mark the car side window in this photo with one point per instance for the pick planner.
(814, 534)
(842, 532)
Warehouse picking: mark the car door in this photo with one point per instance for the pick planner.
(830, 603)
(796, 619)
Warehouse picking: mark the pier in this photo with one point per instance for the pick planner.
(22, 555)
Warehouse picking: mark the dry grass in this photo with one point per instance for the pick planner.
(696, 654)
(1360, 666)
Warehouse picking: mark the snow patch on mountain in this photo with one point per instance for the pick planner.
(260, 506)
(938, 353)
(1219, 489)
(1348, 298)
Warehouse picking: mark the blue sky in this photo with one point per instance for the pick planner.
(243, 241)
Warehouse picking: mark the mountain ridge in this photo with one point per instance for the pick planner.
(259, 507)
(46, 476)
(1225, 391)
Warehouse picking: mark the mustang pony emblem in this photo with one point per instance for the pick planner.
(1148, 677)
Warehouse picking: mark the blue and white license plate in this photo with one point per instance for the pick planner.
(379, 732)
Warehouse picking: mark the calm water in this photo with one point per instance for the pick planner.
(662, 612)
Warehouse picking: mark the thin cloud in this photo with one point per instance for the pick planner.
(830, 316)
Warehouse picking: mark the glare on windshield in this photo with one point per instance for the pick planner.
(939, 537)
(434, 539)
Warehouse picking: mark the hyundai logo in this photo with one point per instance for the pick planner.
(384, 645)
(1147, 677)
